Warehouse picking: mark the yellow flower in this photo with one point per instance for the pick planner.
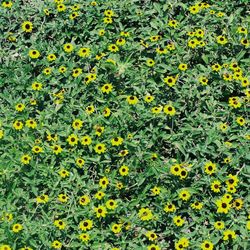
(183, 67)
(100, 211)
(116, 228)
(240, 120)
(219, 225)
(34, 54)
(215, 186)
(107, 88)
(84, 200)
(221, 40)
(80, 162)
(51, 57)
(100, 148)
(117, 141)
(145, 214)
(109, 13)
(20, 107)
(152, 236)
(107, 20)
(77, 124)
(184, 195)
(153, 247)
(42, 198)
(1, 133)
(103, 182)
(90, 109)
(18, 125)
(99, 195)
(17, 228)
(169, 110)
(27, 26)
(173, 23)
(210, 167)
(72, 139)
(37, 86)
(63, 173)
(113, 48)
(111, 204)
(156, 190)
(60, 224)
(223, 206)
(56, 244)
(194, 9)
(57, 149)
(84, 52)
(61, 7)
(169, 208)
(150, 62)
(7, 4)
(84, 237)
(170, 80)
(68, 47)
(86, 140)
(86, 225)
(207, 245)
(31, 123)
(132, 100)
(229, 234)
(25, 159)
(178, 221)
(101, 32)
(63, 198)
(124, 170)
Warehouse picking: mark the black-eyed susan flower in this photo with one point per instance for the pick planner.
(85, 237)
(218, 225)
(238, 204)
(216, 67)
(80, 162)
(183, 66)
(51, 57)
(57, 149)
(84, 200)
(178, 220)
(132, 100)
(240, 120)
(56, 244)
(184, 194)
(63, 173)
(100, 211)
(25, 159)
(20, 107)
(170, 80)
(34, 54)
(86, 225)
(229, 235)
(100, 148)
(120, 41)
(90, 109)
(63, 198)
(84, 52)
(151, 235)
(99, 195)
(155, 190)
(27, 26)
(37, 149)
(107, 88)
(30, 123)
(61, 7)
(145, 214)
(72, 140)
(210, 167)
(113, 48)
(116, 228)
(170, 208)
(207, 245)
(44, 198)
(153, 247)
(111, 204)
(37, 86)
(245, 42)
(16, 228)
(7, 4)
(223, 206)
(150, 62)
(221, 40)
(169, 110)
(68, 47)
(197, 205)
(60, 224)
(124, 170)
(103, 182)
(216, 186)
(86, 140)
(117, 141)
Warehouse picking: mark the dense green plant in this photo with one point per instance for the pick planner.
(124, 125)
